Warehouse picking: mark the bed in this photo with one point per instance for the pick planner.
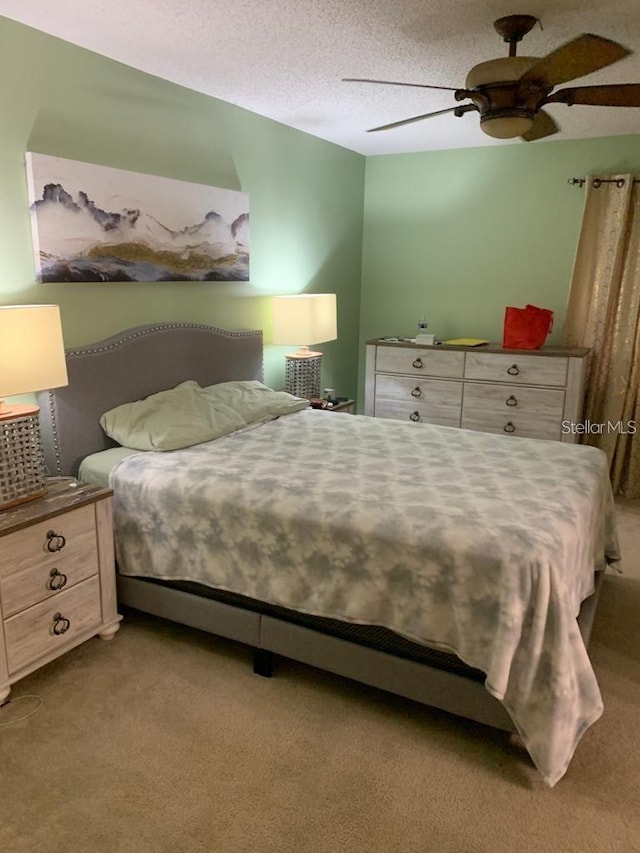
(456, 515)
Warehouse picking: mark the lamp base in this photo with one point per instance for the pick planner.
(302, 374)
(22, 472)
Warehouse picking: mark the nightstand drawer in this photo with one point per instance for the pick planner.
(31, 585)
(523, 369)
(44, 627)
(422, 362)
(67, 537)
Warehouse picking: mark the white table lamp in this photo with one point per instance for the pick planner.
(304, 319)
(31, 359)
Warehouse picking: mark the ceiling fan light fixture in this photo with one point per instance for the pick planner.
(505, 69)
(506, 127)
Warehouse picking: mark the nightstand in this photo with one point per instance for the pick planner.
(57, 577)
(348, 406)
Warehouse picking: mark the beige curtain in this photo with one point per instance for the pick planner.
(604, 313)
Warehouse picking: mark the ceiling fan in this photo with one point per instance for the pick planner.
(510, 92)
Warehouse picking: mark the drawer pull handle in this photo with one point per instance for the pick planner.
(417, 392)
(60, 624)
(509, 427)
(55, 541)
(511, 401)
(513, 370)
(56, 580)
(414, 416)
(417, 362)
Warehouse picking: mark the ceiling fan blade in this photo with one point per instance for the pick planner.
(581, 56)
(457, 110)
(394, 83)
(543, 125)
(614, 95)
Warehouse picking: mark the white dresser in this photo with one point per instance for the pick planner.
(527, 393)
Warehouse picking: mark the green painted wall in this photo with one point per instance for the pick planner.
(456, 235)
(305, 194)
(459, 235)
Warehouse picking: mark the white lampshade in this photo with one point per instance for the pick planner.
(31, 359)
(306, 318)
(31, 349)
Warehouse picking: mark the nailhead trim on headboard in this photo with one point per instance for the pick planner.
(54, 433)
(88, 350)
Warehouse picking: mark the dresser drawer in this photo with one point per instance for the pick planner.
(420, 362)
(520, 369)
(30, 635)
(434, 401)
(513, 400)
(32, 547)
(508, 423)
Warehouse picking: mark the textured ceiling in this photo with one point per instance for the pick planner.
(285, 58)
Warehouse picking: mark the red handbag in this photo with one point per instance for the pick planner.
(526, 328)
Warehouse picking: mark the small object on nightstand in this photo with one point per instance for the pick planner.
(344, 404)
(319, 403)
(338, 404)
(68, 481)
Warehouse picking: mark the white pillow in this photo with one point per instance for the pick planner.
(253, 401)
(170, 420)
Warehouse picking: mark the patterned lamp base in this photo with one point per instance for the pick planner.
(302, 375)
(22, 473)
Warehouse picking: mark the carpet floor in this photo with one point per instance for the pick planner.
(164, 740)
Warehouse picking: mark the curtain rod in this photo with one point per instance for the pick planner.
(619, 182)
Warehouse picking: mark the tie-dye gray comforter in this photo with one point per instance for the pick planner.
(473, 542)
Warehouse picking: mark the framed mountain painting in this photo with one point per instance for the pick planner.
(94, 223)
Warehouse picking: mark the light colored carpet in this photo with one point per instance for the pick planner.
(164, 740)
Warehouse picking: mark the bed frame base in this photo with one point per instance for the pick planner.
(407, 678)
(269, 636)
(208, 615)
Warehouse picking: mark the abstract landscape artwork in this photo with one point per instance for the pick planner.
(94, 223)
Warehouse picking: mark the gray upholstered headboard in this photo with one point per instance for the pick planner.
(129, 366)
